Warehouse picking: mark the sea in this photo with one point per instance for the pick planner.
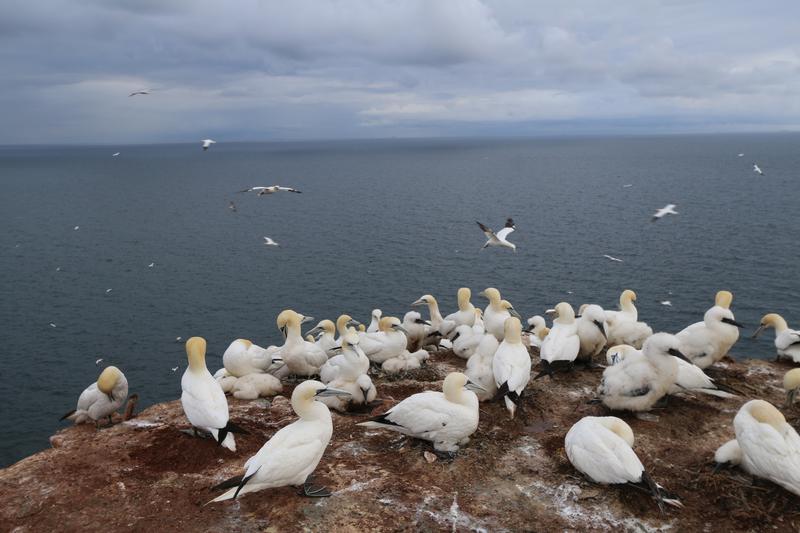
(110, 260)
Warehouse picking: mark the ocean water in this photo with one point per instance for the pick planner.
(379, 224)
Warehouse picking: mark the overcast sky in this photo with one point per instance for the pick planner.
(303, 69)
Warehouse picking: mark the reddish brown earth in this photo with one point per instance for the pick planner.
(145, 474)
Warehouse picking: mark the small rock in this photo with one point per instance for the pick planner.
(430, 457)
(56, 441)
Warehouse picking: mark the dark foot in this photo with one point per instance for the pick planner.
(311, 491)
(445, 456)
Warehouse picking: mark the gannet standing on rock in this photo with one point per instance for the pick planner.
(388, 342)
(294, 452)
(496, 313)
(203, 400)
(447, 418)
(415, 328)
(591, 331)
(511, 365)
(787, 341)
(538, 330)
(561, 346)
(623, 326)
(348, 374)
(302, 358)
(791, 384)
(702, 342)
(479, 368)
(770, 445)
(467, 338)
(465, 316)
(373, 324)
(637, 383)
(439, 326)
(102, 398)
(601, 448)
(327, 340)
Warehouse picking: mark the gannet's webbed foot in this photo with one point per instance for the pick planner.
(445, 456)
(310, 491)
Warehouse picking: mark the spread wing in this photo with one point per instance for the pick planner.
(486, 230)
(503, 233)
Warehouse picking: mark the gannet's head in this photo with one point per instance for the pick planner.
(723, 315)
(512, 330)
(305, 393)
(413, 318)
(324, 326)
(665, 345)
(464, 294)
(426, 300)
(565, 313)
(310, 338)
(505, 304)
(543, 333)
(728, 455)
(617, 353)
(491, 294)
(618, 426)
(581, 309)
(108, 380)
(247, 343)
(724, 299)
(196, 353)
(454, 383)
(362, 328)
(765, 413)
(376, 314)
(365, 384)
(771, 320)
(389, 323)
(534, 322)
(594, 314)
(286, 319)
(791, 383)
(478, 312)
(626, 297)
(344, 322)
(350, 338)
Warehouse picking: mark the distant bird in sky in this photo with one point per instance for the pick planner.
(58, 269)
(664, 211)
(141, 91)
(151, 265)
(108, 290)
(610, 258)
(178, 339)
(98, 361)
(741, 155)
(499, 238)
(52, 325)
(261, 191)
(667, 303)
(115, 154)
(627, 185)
(270, 242)
(757, 170)
(207, 143)
(175, 369)
(232, 206)
(76, 228)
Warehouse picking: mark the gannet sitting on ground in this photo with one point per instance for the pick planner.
(203, 400)
(591, 331)
(467, 338)
(623, 326)
(771, 446)
(730, 455)
(496, 313)
(415, 328)
(373, 324)
(349, 364)
(537, 327)
(404, 362)
(511, 365)
(637, 383)
(439, 326)
(102, 398)
(560, 347)
(787, 341)
(242, 357)
(447, 418)
(501, 237)
(254, 386)
(601, 448)
(327, 337)
(388, 342)
(479, 368)
(302, 358)
(791, 384)
(702, 342)
(465, 316)
(294, 452)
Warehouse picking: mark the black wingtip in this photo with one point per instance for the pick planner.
(381, 419)
(510, 222)
(228, 483)
(230, 427)
(67, 415)
(244, 482)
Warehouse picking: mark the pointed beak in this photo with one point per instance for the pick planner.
(732, 322)
(758, 331)
(601, 328)
(514, 313)
(277, 359)
(110, 397)
(306, 319)
(315, 331)
(323, 393)
(790, 397)
(419, 302)
(679, 355)
(550, 312)
(471, 385)
(398, 327)
(353, 323)
(482, 293)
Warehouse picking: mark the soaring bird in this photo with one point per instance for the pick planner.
(664, 211)
(757, 170)
(207, 143)
(261, 191)
(499, 238)
(141, 91)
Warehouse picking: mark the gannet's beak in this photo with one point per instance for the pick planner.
(732, 322)
(420, 321)
(322, 393)
(790, 397)
(110, 397)
(482, 293)
(277, 359)
(305, 319)
(679, 355)
(614, 359)
(283, 331)
(514, 313)
(315, 331)
(353, 323)
(758, 331)
(419, 302)
(470, 385)
(398, 327)
(336, 349)
(601, 328)
(550, 312)
(365, 392)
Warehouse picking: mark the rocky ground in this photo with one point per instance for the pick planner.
(145, 474)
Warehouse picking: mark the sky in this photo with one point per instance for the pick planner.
(333, 69)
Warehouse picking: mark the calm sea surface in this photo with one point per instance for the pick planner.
(379, 224)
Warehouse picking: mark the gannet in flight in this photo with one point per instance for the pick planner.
(757, 170)
(261, 191)
(499, 238)
(115, 154)
(141, 91)
(293, 453)
(602, 449)
(269, 242)
(447, 418)
(611, 258)
(101, 398)
(207, 143)
(231, 206)
(787, 341)
(203, 400)
(668, 210)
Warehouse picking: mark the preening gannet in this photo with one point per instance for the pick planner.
(501, 237)
(623, 326)
(439, 326)
(415, 328)
(465, 316)
(601, 448)
(704, 343)
(771, 446)
(203, 400)
(447, 418)
(791, 384)
(591, 331)
(388, 342)
(349, 364)
(102, 398)
(243, 357)
(730, 455)
(404, 362)
(561, 346)
(479, 367)
(787, 341)
(467, 338)
(496, 313)
(373, 324)
(511, 365)
(292, 454)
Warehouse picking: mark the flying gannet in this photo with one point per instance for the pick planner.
(669, 209)
(207, 143)
(262, 191)
(501, 237)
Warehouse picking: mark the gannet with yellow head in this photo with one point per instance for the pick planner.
(102, 398)
(787, 341)
(511, 365)
(706, 342)
(326, 340)
(479, 367)
(302, 358)
(623, 326)
(242, 358)
(791, 384)
(496, 313)
(465, 316)
(389, 341)
(561, 346)
(349, 374)
(440, 327)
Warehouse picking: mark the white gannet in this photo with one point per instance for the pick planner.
(637, 383)
(496, 313)
(612, 258)
(349, 364)
(343, 323)
(115, 154)
(269, 242)
(102, 398)
(415, 328)
(302, 358)
(139, 92)
(362, 392)
(561, 346)
(787, 341)
(207, 143)
(591, 331)
(702, 342)
(666, 303)
(623, 326)
(601, 448)
(292, 454)
(501, 237)
(730, 455)
(479, 367)
(388, 342)
(771, 446)
(203, 399)
(669, 209)
(261, 191)
(447, 418)
(467, 338)
(405, 361)
(375, 318)
(791, 384)
(511, 365)
(757, 170)
(253, 386)
(439, 326)
(327, 336)
(242, 357)
(465, 316)
(538, 330)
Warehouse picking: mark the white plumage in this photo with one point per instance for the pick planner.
(706, 342)
(591, 329)
(501, 237)
(439, 325)
(787, 341)
(496, 313)
(388, 342)
(102, 398)
(623, 326)
(373, 324)
(562, 344)
(538, 331)
(479, 367)
(467, 338)
(415, 328)
(242, 357)
(302, 358)
(730, 455)
(465, 316)
(348, 365)
(511, 365)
